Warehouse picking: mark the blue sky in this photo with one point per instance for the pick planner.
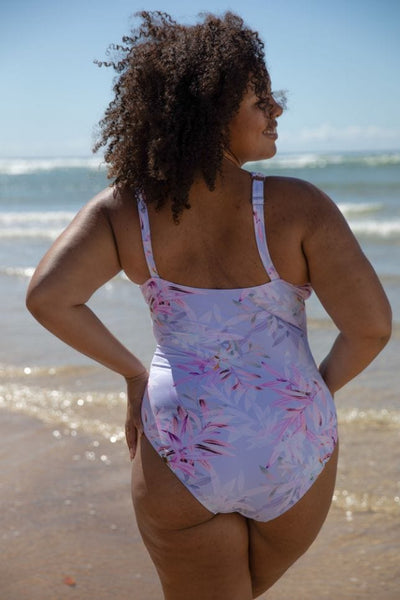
(339, 61)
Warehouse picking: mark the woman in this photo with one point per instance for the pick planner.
(233, 433)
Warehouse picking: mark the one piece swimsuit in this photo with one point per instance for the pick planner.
(235, 404)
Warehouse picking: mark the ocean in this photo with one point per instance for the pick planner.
(41, 377)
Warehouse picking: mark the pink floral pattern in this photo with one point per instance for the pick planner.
(235, 403)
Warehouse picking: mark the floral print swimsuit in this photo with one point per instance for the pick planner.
(235, 404)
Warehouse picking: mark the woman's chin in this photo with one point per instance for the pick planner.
(265, 155)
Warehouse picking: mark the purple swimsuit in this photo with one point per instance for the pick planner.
(235, 404)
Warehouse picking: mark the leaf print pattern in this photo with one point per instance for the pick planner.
(235, 403)
(227, 369)
(190, 440)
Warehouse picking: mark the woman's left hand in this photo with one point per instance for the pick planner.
(133, 425)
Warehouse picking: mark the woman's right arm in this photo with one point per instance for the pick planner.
(347, 287)
(80, 261)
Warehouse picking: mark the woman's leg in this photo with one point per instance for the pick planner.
(197, 554)
(277, 544)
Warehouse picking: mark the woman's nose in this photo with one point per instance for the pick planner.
(277, 109)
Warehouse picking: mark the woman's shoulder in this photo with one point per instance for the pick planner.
(292, 188)
(299, 198)
(113, 200)
(113, 210)
(116, 206)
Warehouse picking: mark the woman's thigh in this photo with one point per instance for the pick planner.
(197, 554)
(277, 544)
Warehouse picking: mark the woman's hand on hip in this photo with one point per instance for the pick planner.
(133, 425)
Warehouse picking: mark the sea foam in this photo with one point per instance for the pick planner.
(316, 160)
(23, 166)
(34, 225)
(378, 229)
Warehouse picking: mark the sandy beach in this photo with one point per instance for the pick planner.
(67, 522)
(68, 529)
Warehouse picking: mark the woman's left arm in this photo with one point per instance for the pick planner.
(80, 261)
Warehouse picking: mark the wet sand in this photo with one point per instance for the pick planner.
(67, 514)
(68, 529)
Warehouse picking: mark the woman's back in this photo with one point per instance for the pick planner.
(214, 244)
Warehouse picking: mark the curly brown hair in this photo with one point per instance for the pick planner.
(177, 89)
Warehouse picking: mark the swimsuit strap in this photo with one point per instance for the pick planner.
(259, 224)
(145, 231)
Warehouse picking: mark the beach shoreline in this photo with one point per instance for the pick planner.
(69, 528)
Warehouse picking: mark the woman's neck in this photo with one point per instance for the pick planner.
(228, 155)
